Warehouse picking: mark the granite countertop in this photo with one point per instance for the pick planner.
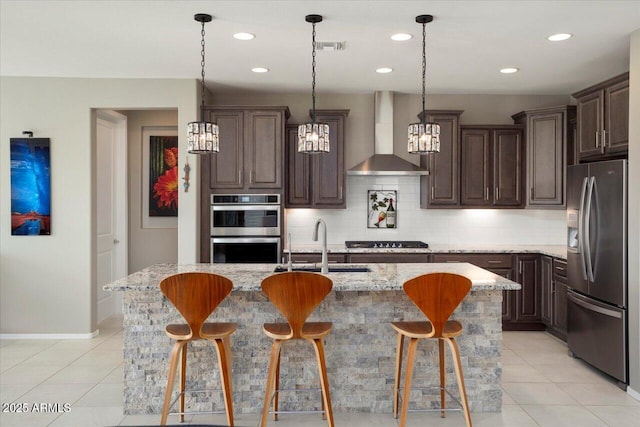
(382, 277)
(556, 251)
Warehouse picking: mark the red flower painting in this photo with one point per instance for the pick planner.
(163, 171)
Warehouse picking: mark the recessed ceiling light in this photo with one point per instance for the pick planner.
(384, 70)
(260, 70)
(401, 37)
(243, 36)
(559, 37)
(509, 70)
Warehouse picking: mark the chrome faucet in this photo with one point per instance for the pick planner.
(325, 262)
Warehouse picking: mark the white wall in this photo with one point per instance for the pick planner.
(147, 246)
(634, 215)
(46, 282)
(434, 226)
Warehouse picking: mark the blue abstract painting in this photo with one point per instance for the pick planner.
(30, 187)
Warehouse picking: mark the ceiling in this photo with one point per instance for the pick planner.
(467, 43)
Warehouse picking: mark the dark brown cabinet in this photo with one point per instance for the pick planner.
(251, 153)
(441, 188)
(554, 296)
(317, 180)
(546, 288)
(550, 144)
(528, 300)
(603, 119)
(491, 166)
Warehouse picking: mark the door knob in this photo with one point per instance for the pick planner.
(116, 241)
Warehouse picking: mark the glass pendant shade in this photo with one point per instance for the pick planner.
(313, 138)
(202, 138)
(424, 138)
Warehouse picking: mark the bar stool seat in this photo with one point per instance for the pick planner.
(196, 296)
(437, 295)
(282, 331)
(296, 295)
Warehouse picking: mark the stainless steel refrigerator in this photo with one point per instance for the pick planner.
(597, 265)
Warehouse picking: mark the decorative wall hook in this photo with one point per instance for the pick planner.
(186, 170)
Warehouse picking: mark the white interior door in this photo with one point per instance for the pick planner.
(111, 201)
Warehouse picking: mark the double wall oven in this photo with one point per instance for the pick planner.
(245, 228)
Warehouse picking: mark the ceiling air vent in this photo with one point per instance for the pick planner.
(330, 45)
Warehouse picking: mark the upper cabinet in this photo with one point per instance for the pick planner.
(317, 180)
(251, 153)
(441, 188)
(491, 166)
(603, 119)
(550, 142)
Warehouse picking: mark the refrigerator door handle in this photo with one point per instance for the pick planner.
(587, 229)
(592, 307)
(581, 249)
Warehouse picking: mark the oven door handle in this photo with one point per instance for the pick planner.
(245, 239)
(245, 208)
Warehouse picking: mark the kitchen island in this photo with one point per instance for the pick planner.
(360, 350)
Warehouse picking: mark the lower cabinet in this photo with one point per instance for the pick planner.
(554, 296)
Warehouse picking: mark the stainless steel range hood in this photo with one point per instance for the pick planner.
(383, 161)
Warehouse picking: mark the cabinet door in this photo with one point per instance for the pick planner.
(590, 122)
(546, 277)
(560, 307)
(328, 168)
(545, 160)
(507, 167)
(475, 185)
(442, 186)
(298, 172)
(264, 149)
(528, 299)
(226, 168)
(616, 120)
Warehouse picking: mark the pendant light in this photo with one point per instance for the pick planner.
(424, 138)
(202, 136)
(313, 137)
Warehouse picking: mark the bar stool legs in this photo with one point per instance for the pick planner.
(223, 349)
(413, 342)
(274, 367)
(324, 381)
(173, 365)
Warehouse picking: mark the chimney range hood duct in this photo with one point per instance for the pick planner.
(383, 161)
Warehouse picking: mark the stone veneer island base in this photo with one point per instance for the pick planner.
(360, 350)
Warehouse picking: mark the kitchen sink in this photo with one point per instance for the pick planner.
(342, 269)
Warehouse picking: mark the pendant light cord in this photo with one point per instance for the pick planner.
(313, 74)
(424, 70)
(202, 74)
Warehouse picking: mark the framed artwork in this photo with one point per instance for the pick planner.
(30, 187)
(382, 209)
(160, 177)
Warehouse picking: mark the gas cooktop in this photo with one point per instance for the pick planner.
(374, 244)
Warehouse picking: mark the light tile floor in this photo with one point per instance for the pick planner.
(542, 386)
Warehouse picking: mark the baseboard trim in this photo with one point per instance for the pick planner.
(50, 336)
(631, 392)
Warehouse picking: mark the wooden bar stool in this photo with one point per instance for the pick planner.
(437, 295)
(196, 295)
(296, 295)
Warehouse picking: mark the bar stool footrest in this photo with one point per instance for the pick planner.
(455, 399)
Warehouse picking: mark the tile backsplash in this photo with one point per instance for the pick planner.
(434, 226)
